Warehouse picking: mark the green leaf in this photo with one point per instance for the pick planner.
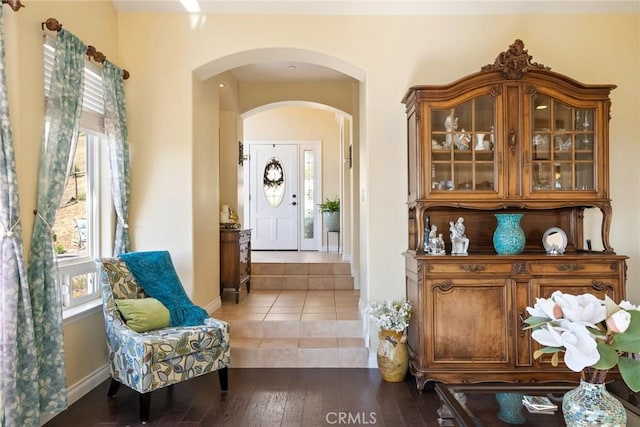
(626, 346)
(630, 371)
(608, 357)
(534, 321)
(632, 333)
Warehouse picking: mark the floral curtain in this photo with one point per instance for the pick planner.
(115, 124)
(62, 118)
(18, 376)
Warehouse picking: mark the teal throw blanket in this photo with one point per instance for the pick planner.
(156, 274)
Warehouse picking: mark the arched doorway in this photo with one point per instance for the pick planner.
(256, 95)
(321, 138)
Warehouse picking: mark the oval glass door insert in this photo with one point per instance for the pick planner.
(273, 182)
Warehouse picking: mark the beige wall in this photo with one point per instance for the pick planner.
(336, 95)
(303, 124)
(396, 53)
(173, 118)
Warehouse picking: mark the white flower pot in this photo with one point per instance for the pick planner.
(332, 221)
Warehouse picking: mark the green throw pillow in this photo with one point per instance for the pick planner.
(143, 314)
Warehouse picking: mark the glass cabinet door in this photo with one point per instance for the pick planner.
(562, 146)
(463, 147)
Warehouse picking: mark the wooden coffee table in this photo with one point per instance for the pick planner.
(475, 405)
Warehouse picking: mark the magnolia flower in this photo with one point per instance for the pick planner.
(626, 305)
(591, 332)
(619, 321)
(580, 348)
(545, 307)
(584, 309)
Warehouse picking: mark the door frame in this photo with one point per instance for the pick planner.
(314, 244)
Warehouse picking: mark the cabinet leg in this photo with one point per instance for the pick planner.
(248, 286)
(237, 294)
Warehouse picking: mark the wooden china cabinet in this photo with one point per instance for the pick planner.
(513, 137)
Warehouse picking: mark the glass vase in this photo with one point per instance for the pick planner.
(590, 404)
(511, 408)
(393, 356)
(508, 238)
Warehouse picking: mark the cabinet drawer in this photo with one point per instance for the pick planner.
(574, 267)
(467, 268)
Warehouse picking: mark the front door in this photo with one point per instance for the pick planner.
(274, 196)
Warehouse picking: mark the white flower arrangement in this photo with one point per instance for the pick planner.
(591, 332)
(390, 315)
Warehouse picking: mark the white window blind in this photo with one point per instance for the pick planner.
(92, 99)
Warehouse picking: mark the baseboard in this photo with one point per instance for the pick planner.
(82, 387)
(213, 305)
(373, 359)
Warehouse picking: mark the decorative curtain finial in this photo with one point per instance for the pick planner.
(52, 24)
(97, 56)
(14, 4)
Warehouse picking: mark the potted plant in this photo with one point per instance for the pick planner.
(331, 213)
(392, 317)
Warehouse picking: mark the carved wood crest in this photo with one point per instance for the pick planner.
(514, 62)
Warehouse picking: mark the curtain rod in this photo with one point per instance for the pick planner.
(52, 24)
(14, 4)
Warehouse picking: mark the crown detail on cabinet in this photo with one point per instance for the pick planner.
(514, 62)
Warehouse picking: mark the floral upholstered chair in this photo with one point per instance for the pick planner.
(148, 360)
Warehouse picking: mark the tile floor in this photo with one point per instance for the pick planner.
(300, 305)
(296, 256)
(295, 327)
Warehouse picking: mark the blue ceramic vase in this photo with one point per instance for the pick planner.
(508, 239)
(511, 408)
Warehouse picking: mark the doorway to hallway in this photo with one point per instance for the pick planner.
(284, 190)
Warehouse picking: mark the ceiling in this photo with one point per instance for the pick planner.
(289, 72)
(385, 7)
(279, 71)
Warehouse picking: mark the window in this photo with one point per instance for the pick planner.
(77, 227)
(75, 237)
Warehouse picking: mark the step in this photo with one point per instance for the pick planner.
(296, 328)
(297, 344)
(325, 275)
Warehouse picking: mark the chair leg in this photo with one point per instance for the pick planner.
(223, 376)
(113, 388)
(145, 406)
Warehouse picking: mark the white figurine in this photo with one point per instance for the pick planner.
(463, 140)
(450, 125)
(436, 242)
(459, 240)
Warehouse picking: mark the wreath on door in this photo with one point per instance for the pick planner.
(273, 174)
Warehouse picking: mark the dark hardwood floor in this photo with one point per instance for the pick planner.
(265, 397)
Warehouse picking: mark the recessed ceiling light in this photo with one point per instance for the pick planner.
(191, 6)
(221, 85)
(292, 67)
